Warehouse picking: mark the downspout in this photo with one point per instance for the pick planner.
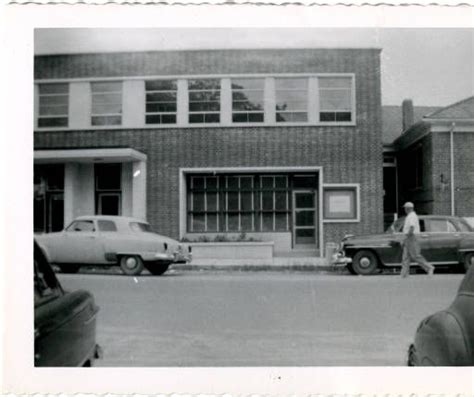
(451, 147)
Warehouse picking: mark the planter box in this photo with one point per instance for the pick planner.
(233, 253)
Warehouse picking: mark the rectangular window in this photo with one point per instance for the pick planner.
(53, 105)
(161, 97)
(340, 203)
(106, 103)
(291, 97)
(247, 100)
(335, 99)
(238, 203)
(204, 100)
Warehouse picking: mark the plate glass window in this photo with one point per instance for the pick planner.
(204, 100)
(248, 100)
(335, 99)
(53, 105)
(161, 97)
(106, 103)
(291, 100)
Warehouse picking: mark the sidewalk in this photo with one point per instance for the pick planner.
(312, 264)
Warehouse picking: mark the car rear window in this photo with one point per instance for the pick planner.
(107, 226)
(140, 227)
(441, 226)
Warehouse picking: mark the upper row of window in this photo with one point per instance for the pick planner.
(291, 98)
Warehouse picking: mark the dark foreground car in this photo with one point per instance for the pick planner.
(444, 240)
(446, 338)
(65, 322)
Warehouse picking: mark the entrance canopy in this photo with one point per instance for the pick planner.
(110, 155)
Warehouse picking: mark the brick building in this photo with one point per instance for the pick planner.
(435, 158)
(282, 144)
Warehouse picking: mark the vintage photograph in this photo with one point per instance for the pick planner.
(221, 197)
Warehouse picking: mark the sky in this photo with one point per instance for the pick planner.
(431, 66)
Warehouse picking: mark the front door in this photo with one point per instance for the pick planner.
(304, 219)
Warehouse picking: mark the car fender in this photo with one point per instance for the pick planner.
(440, 341)
(44, 248)
(466, 245)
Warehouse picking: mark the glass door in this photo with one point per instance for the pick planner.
(304, 219)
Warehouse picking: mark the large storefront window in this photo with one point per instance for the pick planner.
(238, 203)
(108, 189)
(48, 198)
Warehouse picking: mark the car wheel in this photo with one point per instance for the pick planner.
(131, 265)
(69, 268)
(412, 358)
(364, 262)
(157, 269)
(468, 260)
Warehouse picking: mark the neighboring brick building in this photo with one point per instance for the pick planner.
(435, 159)
(284, 144)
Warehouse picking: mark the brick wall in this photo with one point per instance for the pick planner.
(347, 154)
(463, 173)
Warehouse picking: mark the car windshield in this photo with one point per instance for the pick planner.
(397, 226)
(140, 227)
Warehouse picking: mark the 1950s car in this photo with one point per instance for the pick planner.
(446, 338)
(444, 240)
(113, 240)
(65, 322)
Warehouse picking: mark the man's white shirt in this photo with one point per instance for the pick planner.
(411, 220)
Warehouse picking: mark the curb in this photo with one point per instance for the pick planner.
(263, 268)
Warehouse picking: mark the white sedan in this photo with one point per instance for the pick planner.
(112, 240)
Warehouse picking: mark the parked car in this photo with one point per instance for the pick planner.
(446, 338)
(113, 240)
(65, 322)
(444, 240)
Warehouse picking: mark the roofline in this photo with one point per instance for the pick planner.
(378, 49)
(429, 116)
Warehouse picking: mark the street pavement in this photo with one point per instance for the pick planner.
(191, 318)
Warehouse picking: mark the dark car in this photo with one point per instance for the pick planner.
(65, 322)
(446, 338)
(444, 240)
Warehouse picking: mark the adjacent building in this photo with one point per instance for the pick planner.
(283, 145)
(435, 158)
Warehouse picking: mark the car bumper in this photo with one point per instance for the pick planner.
(339, 259)
(161, 256)
(182, 258)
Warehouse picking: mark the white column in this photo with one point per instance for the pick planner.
(70, 191)
(127, 189)
(139, 189)
(226, 102)
(182, 102)
(133, 99)
(79, 105)
(269, 100)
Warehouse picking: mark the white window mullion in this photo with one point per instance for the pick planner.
(313, 100)
(269, 101)
(226, 102)
(182, 103)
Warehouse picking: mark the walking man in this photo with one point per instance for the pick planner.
(411, 247)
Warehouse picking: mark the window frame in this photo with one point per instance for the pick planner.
(147, 113)
(106, 115)
(341, 187)
(182, 111)
(53, 116)
(208, 112)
